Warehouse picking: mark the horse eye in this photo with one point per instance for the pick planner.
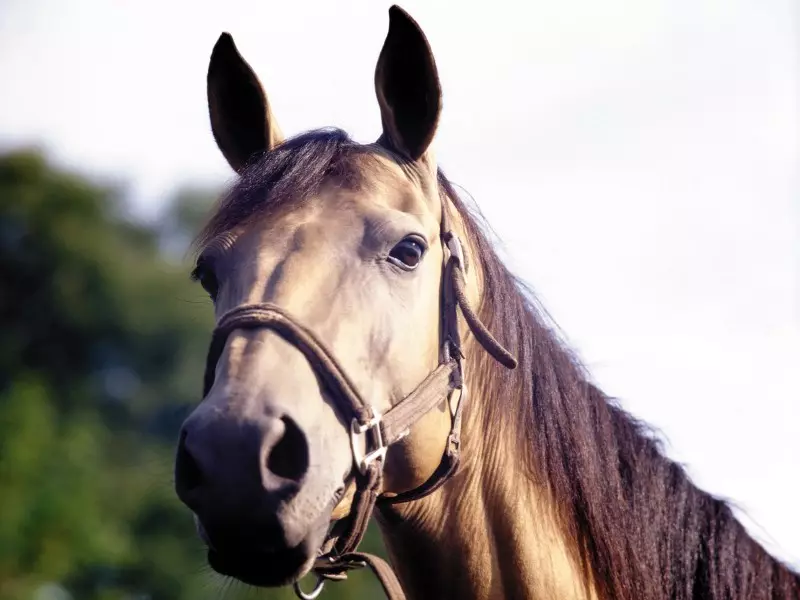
(207, 279)
(408, 253)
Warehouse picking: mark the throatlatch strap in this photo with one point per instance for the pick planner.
(479, 330)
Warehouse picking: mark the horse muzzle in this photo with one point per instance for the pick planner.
(261, 511)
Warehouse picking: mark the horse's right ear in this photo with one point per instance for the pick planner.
(241, 119)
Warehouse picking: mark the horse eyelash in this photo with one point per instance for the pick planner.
(202, 263)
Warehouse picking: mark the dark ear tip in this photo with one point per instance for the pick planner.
(398, 15)
(224, 43)
(223, 55)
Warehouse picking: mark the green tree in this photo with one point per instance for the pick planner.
(102, 345)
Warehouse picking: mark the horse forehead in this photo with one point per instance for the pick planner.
(381, 200)
(338, 213)
(393, 187)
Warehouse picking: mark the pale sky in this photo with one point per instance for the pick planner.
(638, 159)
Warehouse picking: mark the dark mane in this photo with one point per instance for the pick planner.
(643, 529)
(638, 523)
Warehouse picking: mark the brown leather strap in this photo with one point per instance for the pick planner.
(382, 569)
(368, 487)
(434, 389)
(271, 316)
(337, 571)
(447, 465)
(484, 337)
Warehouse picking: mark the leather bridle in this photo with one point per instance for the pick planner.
(379, 431)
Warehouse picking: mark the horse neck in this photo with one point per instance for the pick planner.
(494, 532)
(489, 532)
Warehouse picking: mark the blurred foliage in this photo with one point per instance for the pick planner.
(102, 346)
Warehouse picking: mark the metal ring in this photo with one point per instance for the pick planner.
(313, 594)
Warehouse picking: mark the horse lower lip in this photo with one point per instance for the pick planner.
(201, 531)
(258, 568)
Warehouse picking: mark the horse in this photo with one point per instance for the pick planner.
(373, 356)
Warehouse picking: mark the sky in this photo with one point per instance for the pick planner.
(637, 159)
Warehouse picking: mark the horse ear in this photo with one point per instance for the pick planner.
(407, 86)
(241, 119)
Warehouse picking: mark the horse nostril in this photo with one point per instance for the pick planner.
(188, 475)
(288, 459)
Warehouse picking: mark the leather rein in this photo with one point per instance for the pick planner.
(378, 431)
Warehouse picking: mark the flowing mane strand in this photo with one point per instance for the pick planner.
(635, 519)
(638, 523)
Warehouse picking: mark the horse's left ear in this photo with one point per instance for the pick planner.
(407, 86)
(241, 118)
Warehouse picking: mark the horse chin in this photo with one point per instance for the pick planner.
(263, 566)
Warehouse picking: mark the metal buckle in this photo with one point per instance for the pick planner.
(462, 389)
(462, 394)
(357, 429)
(313, 593)
(455, 249)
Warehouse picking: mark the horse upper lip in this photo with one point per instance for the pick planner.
(242, 548)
